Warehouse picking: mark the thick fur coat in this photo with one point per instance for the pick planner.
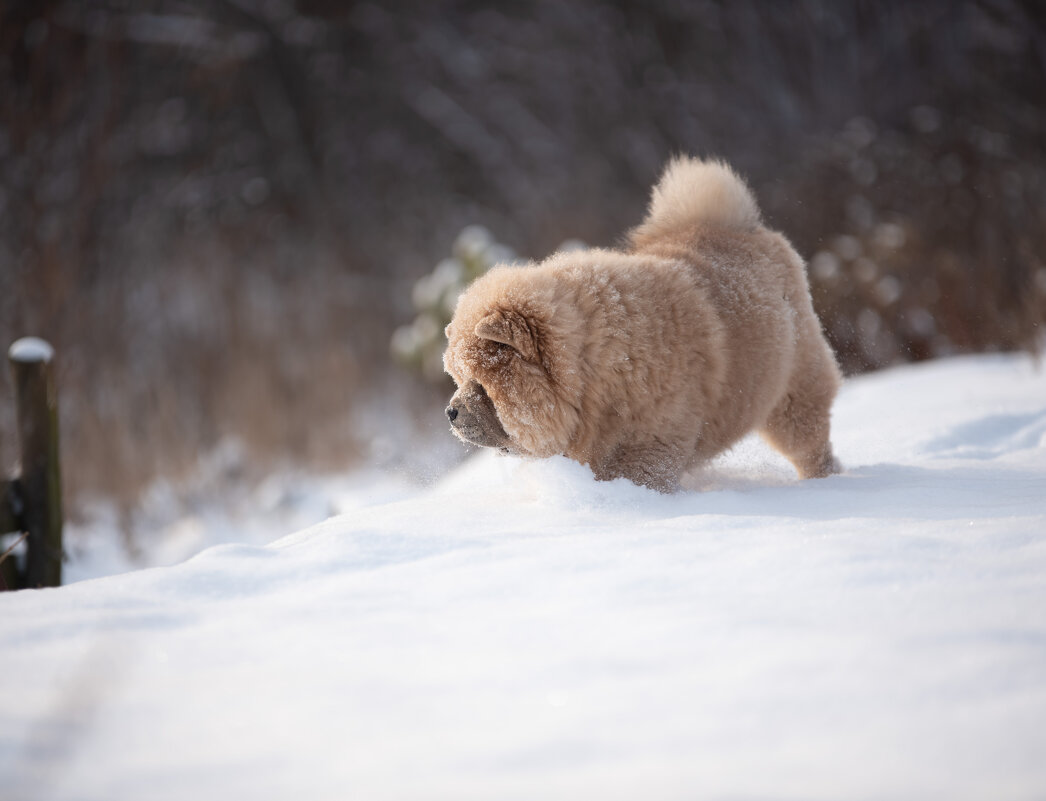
(647, 361)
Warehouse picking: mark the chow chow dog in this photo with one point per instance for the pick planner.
(646, 361)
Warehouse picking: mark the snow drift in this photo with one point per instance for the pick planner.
(521, 631)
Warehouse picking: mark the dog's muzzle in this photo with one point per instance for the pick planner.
(474, 419)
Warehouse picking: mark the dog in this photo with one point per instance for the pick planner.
(645, 361)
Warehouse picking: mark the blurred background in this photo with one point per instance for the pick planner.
(219, 211)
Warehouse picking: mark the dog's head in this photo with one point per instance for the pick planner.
(513, 361)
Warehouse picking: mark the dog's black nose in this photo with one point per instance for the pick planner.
(452, 413)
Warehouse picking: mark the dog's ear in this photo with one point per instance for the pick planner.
(512, 329)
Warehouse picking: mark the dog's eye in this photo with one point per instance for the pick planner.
(505, 351)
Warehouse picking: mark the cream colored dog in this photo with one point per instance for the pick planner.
(644, 362)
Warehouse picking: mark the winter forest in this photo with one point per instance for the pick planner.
(243, 225)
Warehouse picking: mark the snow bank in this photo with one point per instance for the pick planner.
(521, 631)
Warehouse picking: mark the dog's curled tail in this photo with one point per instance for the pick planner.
(693, 192)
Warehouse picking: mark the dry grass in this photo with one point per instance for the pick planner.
(922, 243)
(154, 373)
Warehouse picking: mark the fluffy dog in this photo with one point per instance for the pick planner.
(646, 361)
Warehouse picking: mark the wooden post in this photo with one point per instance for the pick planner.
(10, 520)
(40, 483)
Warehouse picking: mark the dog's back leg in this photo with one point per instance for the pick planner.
(800, 425)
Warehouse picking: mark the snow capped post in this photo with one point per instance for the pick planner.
(34, 499)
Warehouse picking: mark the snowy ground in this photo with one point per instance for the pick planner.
(520, 631)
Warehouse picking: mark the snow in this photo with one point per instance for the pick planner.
(520, 631)
(30, 350)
